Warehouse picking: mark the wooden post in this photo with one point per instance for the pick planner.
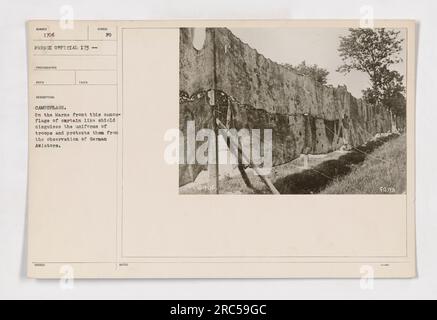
(305, 160)
(216, 152)
(211, 101)
(229, 123)
(214, 105)
(264, 179)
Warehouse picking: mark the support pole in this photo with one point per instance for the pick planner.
(264, 179)
(214, 105)
(217, 185)
(229, 124)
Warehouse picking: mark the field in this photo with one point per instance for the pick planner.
(377, 167)
(383, 171)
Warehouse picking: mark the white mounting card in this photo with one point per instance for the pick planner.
(221, 149)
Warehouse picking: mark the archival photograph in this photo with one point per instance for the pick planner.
(292, 111)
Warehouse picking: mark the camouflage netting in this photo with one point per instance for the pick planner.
(304, 115)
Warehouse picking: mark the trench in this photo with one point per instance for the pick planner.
(315, 179)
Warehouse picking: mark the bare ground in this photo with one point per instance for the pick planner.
(383, 171)
(375, 167)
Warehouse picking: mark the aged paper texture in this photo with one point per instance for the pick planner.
(221, 149)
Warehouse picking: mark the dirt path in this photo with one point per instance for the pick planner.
(292, 177)
(315, 179)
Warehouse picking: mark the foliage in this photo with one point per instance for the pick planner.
(315, 72)
(374, 51)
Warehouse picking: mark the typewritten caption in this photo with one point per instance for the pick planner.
(56, 126)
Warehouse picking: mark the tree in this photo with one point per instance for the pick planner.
(374, 51)
(315, 72)
(389, 84)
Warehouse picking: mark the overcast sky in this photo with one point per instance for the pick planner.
(314, 45)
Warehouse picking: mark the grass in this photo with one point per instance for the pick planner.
(236, 185)
(229, 185)
(379, 166)
(316, 179)
(383, 171)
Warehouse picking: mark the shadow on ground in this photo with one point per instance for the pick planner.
(316, 179)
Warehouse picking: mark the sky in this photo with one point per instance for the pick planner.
(314, 45)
